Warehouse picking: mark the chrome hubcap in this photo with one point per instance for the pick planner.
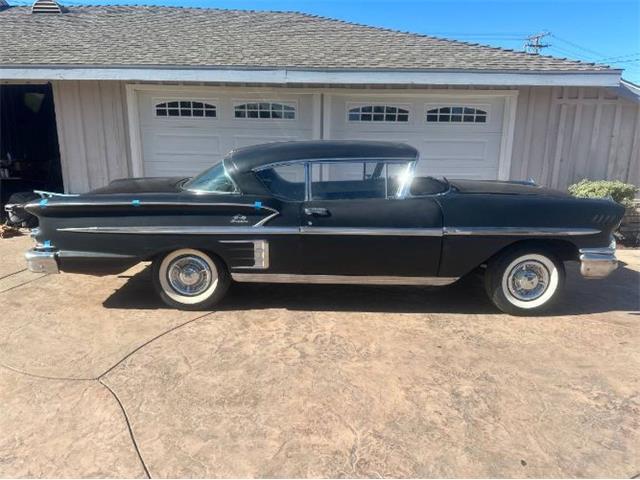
(189, 275)
(528, 280)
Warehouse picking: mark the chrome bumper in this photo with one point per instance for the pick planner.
(42, 261)
(598, 262)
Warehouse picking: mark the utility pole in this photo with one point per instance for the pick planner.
(533, 44)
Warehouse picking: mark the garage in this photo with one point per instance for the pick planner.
(459, 135)
(183, 132)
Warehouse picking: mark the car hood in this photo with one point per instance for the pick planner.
(502, 188)
(142, 185)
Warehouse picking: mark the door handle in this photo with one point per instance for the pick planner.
(317, 212)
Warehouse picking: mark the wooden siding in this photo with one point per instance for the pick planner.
(565, 134)
(93, 133)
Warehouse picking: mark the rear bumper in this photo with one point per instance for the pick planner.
(42, 261)
(51, 260)
(598, 262)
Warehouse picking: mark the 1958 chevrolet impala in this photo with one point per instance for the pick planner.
(327, 212)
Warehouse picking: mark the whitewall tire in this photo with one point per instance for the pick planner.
(524, 281)
(190, 279)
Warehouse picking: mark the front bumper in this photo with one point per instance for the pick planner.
(42, 261)
(598, 262)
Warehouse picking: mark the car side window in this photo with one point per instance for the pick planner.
(356, 180)
(284, 181)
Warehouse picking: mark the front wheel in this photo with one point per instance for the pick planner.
(190, 279)
(524, 281)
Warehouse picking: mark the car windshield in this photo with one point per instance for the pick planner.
(213, 180)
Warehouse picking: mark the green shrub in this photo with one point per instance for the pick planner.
(621, 192)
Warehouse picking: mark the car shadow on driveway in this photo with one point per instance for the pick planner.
(619, 292)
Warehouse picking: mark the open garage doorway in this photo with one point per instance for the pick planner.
(29, 152)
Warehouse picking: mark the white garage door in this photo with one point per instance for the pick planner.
(458, 137)
(183, 133)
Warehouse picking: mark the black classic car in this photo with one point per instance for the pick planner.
(327, 212)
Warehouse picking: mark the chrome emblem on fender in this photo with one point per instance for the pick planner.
(239, 219)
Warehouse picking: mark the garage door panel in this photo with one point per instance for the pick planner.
(240, 141)
(187, 145)
(447, 147)
(184, 143)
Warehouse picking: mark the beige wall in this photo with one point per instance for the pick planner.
(565, 134)
(92, 132)
(562, 134)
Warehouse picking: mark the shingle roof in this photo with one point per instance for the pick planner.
(192, 37)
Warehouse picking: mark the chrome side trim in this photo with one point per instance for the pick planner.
(153, 203)
(400, 232)
(266, 219)
(78, 254)
(260, 253)
(341, 279)
(598, 262)
(258, 230)
(519, 231)
(46, 194)
(177, 230)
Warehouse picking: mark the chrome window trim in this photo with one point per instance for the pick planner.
(341, 279)
(237, 191)
(336, 160)
(406, 186)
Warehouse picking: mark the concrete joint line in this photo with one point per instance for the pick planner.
(100, 380)
(13, 273)
(23, 283)
(128, 423)
(151, 340)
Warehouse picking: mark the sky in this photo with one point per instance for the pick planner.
(591, 30)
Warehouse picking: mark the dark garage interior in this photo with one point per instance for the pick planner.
(29, 152)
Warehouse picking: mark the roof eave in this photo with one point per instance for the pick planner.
(283, 76)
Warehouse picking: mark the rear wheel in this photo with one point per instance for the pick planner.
(524, 281)
(190, 279)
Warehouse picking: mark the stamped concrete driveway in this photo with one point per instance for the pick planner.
(99, 379)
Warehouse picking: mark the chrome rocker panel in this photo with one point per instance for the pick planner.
(341, 279)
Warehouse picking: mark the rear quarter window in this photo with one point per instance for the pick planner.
(284, 181)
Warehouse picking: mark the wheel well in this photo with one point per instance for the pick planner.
(162, 253)
(563, 249)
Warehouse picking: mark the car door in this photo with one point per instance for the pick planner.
(354, 223)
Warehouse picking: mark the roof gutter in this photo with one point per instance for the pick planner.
(607, 78)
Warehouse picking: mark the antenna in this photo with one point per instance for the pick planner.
(533, 45)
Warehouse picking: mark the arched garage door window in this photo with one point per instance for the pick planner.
(378, 113)
(185, 108)
(265, 110)
(456, 114)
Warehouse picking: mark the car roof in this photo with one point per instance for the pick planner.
(246, 159)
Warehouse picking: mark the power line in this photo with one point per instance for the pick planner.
(580, 47)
